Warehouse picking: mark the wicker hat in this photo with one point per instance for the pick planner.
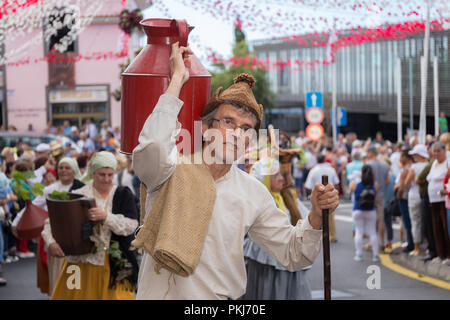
(241, 93)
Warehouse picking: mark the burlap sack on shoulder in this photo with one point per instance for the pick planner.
(174, 230)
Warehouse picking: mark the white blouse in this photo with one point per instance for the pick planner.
(436, 180)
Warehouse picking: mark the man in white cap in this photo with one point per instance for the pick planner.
(356, 147)
(42, 150)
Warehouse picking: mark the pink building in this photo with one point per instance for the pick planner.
(37, 91)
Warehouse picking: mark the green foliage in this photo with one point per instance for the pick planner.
(119, 260)
(222, 75)
(21, 187)
(56, 195)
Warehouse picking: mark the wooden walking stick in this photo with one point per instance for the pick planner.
(326, 249)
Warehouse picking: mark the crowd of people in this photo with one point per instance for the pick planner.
(59, 167)
(385, 181)
(88, 136)
(220, 230)
(404, 181)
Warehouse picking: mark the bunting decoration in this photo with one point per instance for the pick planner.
(303, 23)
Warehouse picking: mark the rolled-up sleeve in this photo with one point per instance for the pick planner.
(155, 157)
(293, 247)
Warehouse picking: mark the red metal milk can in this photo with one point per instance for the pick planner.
(148, 75)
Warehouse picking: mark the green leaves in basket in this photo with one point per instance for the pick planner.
(56, 195)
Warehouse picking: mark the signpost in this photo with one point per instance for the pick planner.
(341, 116)
(314, 115)
(314, 99)
(314, 131)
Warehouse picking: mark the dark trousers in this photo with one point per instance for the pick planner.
(388, 224)
(441, 238)
(403, 204)
(427, 224)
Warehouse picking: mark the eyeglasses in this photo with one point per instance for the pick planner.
(230, 124)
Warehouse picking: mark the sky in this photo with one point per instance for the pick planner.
(208, 31)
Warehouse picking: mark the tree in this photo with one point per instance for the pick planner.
(223, 75)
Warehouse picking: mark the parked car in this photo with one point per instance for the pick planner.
(11, 138)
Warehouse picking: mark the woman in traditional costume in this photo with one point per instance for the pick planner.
(110, 272)
(49, 264)
(266, 278)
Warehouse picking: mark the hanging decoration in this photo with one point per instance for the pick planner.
(301, 22)
(129, 20)
(20, 19)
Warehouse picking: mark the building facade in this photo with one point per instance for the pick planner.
(366, 83)
(40, 91)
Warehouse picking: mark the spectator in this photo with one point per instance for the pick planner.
(427, 219)
(30, 127)
(91, 129)
(356, 147)
(389, 196)
(82, 161)
(68, 150)
(355, 165)
(42, 150)
(108, 142)
(364, 215)
(401, 192)
(9, 154)
(435, 180)
(104, 129)
(117, 135)
(86, 143)
(49, 177)
(378, 139)
(420, 156)
(66, 128)
(74, 134)
(301, 139)
(381, 174)
(50, 128)
(315, 177)
(395, 157)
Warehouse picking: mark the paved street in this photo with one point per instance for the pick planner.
(348, 277)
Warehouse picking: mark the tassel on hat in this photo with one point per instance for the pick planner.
(241, 93)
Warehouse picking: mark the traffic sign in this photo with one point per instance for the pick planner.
(314, 131)
(314, 115)
(341, 116)
(314, 99)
